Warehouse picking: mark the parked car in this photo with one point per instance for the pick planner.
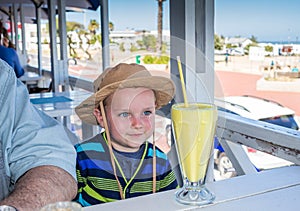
(236, 52)
(258, 109)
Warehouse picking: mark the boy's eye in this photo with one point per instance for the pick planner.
(124, 114)
(147, 113)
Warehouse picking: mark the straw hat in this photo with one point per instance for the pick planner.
(125, 76)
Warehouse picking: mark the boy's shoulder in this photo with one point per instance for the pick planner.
(94, 143)
(159, 153)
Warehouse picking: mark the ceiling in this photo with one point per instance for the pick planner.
(29, 8)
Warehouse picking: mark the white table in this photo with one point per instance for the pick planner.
(57, 107)
(31, 79)
(62, 104)
(277, 189)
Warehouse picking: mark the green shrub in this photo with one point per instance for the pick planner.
(148, 59)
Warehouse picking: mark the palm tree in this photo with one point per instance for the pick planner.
(159, 25)
(111, 26)
(93, 26)
(72, 26)
(90, 36)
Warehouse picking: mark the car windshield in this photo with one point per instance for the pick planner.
(285, 121)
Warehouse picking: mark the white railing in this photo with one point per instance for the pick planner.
(233, 130)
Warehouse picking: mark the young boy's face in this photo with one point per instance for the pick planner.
(130, 114)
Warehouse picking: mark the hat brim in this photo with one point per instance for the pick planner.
(163, 88)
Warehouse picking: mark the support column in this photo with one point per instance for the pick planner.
(59, 67)
(105, 34)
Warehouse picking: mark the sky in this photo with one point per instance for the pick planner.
(266, 20)
(130, 14)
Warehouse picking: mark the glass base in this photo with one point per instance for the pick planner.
(194, 195)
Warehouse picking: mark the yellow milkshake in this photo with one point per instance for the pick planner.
(194, 129)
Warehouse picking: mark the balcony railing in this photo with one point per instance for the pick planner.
(234, 131)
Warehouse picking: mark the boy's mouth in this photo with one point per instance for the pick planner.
(136, 134)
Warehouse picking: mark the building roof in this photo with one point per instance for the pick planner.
(236, 40)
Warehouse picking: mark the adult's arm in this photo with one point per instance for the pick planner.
(17, 65)
(38, 156)
(40, 186)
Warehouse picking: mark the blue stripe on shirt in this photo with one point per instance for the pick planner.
(95, 164)
(90, 146)
(158, 154)
(148, 169)
(82, 201)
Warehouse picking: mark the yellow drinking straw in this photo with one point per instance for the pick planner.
(182, 82)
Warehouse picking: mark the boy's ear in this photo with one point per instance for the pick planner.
(99, 117)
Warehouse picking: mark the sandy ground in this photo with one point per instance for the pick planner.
(244, 64)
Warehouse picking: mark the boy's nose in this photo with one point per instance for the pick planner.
(136, 122)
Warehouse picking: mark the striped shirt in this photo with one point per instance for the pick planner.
(96, 180)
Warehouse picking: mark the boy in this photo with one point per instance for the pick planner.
(120, 163)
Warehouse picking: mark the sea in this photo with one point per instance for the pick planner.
(282, 42)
